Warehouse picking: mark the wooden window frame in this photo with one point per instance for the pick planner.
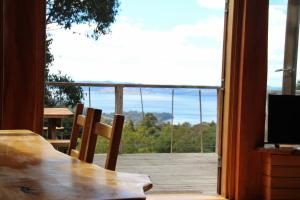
(244, 95)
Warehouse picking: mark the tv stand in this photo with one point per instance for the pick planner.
(281, 173)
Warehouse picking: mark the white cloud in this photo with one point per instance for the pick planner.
(210, 28)
(133, 54)
(212, 4)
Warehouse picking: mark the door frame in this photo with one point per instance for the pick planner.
(244, 98)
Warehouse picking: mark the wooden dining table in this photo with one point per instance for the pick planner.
(54, 116)
(30, 168)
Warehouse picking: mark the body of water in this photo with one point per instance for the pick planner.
(186, 102)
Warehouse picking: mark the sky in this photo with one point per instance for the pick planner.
(276, 38)
(160, 42)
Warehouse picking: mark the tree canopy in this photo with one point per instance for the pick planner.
(100, 14)
(66, 13)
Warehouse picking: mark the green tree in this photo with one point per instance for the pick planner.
(100, 14)
(183, 138)
(209, 137)
(149, 120)
(163, 141)
(62, 95)
(149, 125)
(130, 125)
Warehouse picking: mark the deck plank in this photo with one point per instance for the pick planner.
(172, 173)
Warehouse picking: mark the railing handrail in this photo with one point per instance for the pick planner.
(132, 85)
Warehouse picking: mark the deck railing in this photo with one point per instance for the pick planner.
(119, 100)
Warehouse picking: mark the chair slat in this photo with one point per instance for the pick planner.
(103, 130)
(113, 149)
(81, 120)
(74, 153)
(93, 116)
(75, 128)
(59, 143)
(92, 138)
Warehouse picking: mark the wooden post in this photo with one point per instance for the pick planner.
(1, 63)
(244, 99)
(218, 150)
(119, 107)
(291, 47)
(118, 100)
(220, 104)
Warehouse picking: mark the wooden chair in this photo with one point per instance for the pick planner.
(89, 138)
(92, 127)
(113, 133)
(77, 124)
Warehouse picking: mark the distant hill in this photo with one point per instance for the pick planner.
(137, 117)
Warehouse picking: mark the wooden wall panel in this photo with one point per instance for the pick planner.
(24, 52)
(1, 59)
(252, 99)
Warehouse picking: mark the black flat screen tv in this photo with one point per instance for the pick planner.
(284, 119)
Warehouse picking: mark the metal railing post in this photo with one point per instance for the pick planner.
(172, 124)
(200, 125)
(142, 104)
(90, 101)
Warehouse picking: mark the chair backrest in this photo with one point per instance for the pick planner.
(113, 133)
(92, 127)
(78, 123)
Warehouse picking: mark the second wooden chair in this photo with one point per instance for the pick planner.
(77, 125)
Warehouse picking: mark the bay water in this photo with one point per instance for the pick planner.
(186, 104)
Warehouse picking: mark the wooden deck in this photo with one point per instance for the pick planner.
(184, 196)
(172, 173)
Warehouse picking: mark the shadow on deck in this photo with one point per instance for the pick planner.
(172, 173)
